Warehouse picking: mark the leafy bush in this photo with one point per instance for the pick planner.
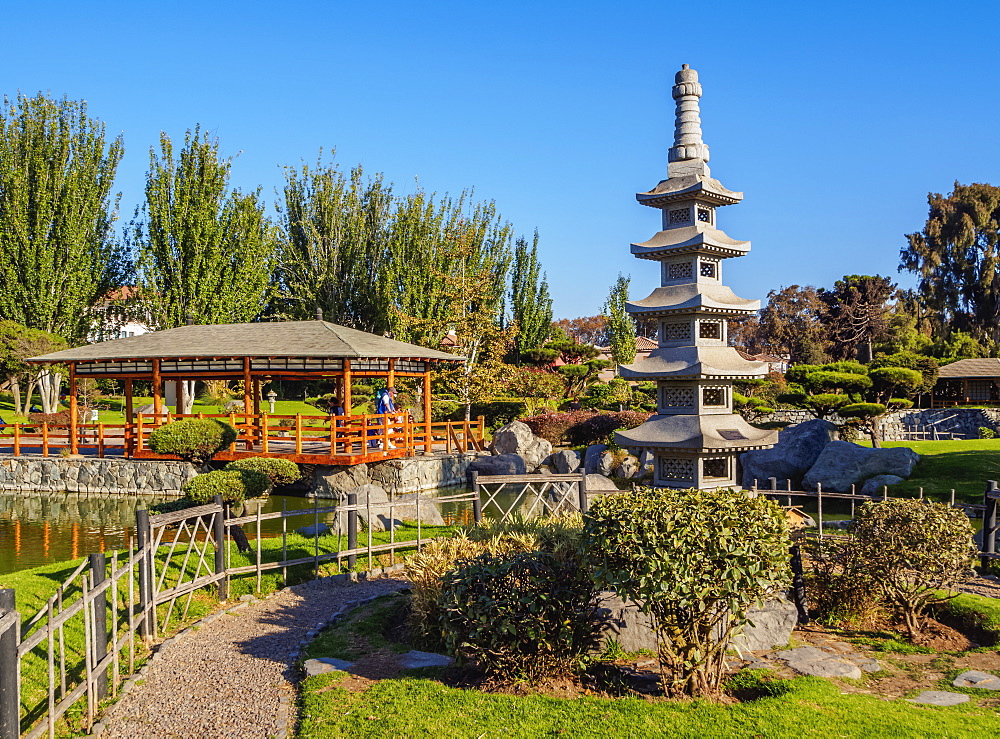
(523, 615)
(61, 418)
(985, 432)
(912, 549)
(694, 560)
(599, 429)
(496, 413)
(608, 395)
(234, 486)
(279, 471)
(192, 439)
(554, 426)
(531, 382)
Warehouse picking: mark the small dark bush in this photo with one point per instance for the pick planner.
(554, 426)
(520, 615)
(233, 485)
(192, 439)
(496, 413)
(278, 471)
(54, 418)
(599, 429)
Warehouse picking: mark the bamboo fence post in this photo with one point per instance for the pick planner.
(352, 531)
(98, 573)
(10, 699)
(219, 534)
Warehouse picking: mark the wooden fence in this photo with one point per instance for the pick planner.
(530, 495)
(77, 649)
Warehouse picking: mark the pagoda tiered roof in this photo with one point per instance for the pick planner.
(697, 433)
(700, 237)
(689, 187)
(693, 298)
(693, 362)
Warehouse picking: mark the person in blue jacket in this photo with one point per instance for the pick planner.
(385, 403)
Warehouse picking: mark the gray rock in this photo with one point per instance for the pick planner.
(605, 463)
(149, 408)
(940, 698)
(977, 679)
(868, 665)
(827, 668)
(769, 626)
(335, 481)
(516, 438)
(313, 530)
(404, 508)
(625, 623)
(803, 654)
(874, 485)
(565, 461)
(797, 449)
(646, 461)
(322, 665)
(370, 494)
(842, 464)
(504, 464)
(415, 659)
(600, 483)
(592, 458)
(628, 468)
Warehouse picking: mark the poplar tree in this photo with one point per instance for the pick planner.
(204, 251)
(530, 303)
(58, 252)
(621, 327)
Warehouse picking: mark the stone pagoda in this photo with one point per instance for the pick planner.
(695, 437)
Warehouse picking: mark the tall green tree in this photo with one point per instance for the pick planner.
(957, 259)
(856, 313)
(58, 252)
(335, 241)
(203, 250)
(621, 327)
(529, 300)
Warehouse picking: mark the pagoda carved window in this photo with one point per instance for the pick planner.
(717, 467)
(677, 331)
(709, 330)
(680, 215)
(677, 468)
(679, 271)
(705, 215)
(677, 397)
(713, 396)
(709, 269)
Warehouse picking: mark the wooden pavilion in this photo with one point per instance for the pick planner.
(255, 353)
(968, 381)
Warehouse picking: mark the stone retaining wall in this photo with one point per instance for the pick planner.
(409, 475)
(963, 422)
(121, 476)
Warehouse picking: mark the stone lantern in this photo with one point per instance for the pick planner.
(695, 437)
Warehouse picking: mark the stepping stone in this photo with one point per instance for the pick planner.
(939, 698)
(977, 679)
(803, 654)
(758, 665)
(415, 659)
(826, 668)
(322, 665)
(868, 665)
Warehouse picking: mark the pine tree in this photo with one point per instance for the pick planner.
(58, 253)
(530, 303)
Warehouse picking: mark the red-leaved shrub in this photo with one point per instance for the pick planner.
(600, 428)
(553, 426)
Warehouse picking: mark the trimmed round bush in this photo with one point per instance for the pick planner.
(234, 486)
(279, 471)
(192, 439)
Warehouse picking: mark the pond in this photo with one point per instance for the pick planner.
(40, 528)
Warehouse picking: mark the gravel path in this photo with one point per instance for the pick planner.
(228, 678)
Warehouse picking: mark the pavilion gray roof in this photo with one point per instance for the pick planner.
(318, 339)
(986, 367)
(710, 432)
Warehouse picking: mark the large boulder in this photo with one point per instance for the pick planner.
(628, 468)
(336, 482)
(795, 453)
(405, 508)
(503, 464)
(842, 464)
(769, 626)
(600, 484)
(592, 458)
(566, 461)
(516, 438)
(874, 485)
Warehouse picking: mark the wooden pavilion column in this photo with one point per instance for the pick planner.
(128, 417)
(348, 401)
(74, 437)
(428, 441)
(157, 389)
(247, 401)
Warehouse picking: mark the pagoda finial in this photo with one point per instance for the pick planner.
(688, 145)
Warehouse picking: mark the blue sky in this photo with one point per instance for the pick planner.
(835, 119)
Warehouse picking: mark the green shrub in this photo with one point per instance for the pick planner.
(234, 486)
(912, 549)
(279, 471)
(525, 615)
(985, 432)
(496, 413)
(192, 439)
(694, 560)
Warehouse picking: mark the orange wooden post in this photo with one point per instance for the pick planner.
(428, 438)
(138, 433)
(232, 422)
(100, 440)
(266, 432)
(447, 437)
(298, 433)
(45, 439)
(17, 440)
(348, 400)
(247, 403)
(74, 421)
(157, 390)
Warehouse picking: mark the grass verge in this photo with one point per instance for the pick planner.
(962, 465)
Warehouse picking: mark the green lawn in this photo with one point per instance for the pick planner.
(964, 465)
(806, 706)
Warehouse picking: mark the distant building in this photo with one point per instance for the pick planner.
(643, 347)
(968, 381)
(112, 321)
